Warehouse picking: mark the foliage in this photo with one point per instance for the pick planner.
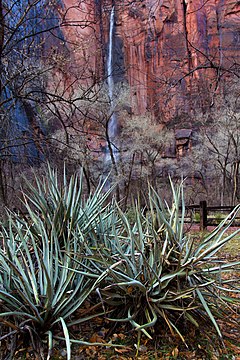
(143, 269)
(41, 285)
(220, 140)
(218, 217)
(145, 142)
(64, 207)
(160, 276)
(197, 217)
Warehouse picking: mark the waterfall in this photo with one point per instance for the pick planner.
(112, 124)
(110, 57)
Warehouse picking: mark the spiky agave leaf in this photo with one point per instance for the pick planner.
(162, 273)
(62, 205)
(41, 284)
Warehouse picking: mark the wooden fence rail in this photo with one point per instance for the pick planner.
(205, 210)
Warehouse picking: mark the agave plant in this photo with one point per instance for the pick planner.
(64, 207)
(147, 273)
(41, 285)
(162, 276)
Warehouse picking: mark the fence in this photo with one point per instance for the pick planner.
(205, 214)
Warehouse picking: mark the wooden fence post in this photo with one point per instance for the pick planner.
(203, 215)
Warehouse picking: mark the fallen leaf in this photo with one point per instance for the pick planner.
(175, 352)
(122, 350)
(96, 338)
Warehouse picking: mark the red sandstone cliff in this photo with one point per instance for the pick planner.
(177, 54)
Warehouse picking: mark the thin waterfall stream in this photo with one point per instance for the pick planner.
(112, 124)
(110, 80)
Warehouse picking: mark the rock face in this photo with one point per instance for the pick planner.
(176, 55)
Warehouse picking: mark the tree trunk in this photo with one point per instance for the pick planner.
(114, 164)
(3, 199)
(236, 167)
(129, 182)
(1, 42)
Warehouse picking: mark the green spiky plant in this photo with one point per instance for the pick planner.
(144, 273)
(161, 275)
(41, 285)
(64, 206)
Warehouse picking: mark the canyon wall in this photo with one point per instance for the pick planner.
(176, 55)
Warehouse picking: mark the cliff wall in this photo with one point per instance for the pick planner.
(176, 55)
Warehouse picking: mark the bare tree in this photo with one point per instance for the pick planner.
(21, 80)
(221, 139)
(144, 146)
(38, 82)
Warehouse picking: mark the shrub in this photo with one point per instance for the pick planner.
(160, 275)
(145, 269)
(218, 217)
(197, 217)
(42, 286)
